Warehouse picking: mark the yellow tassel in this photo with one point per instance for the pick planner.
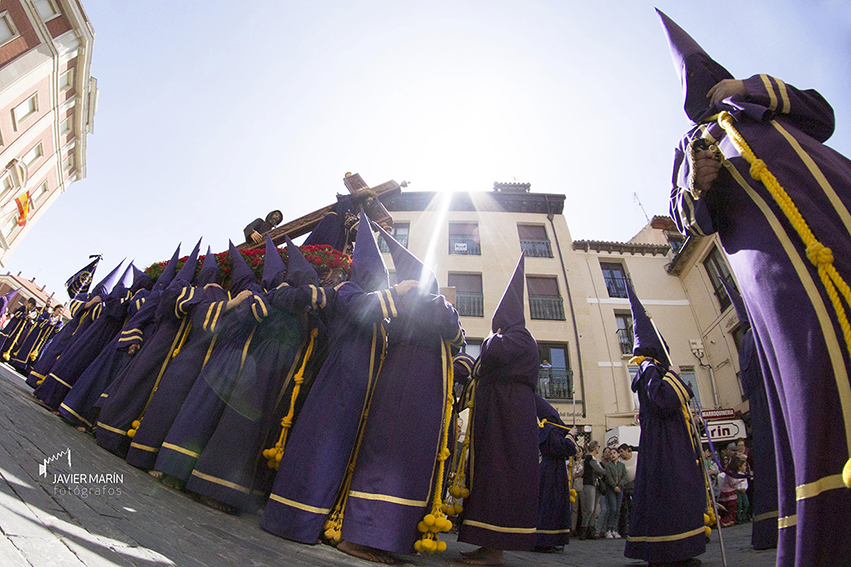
(287, 421)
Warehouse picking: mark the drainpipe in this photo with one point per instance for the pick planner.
(550, 217)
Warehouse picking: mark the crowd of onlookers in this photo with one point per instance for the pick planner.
(733, 491)
(603, 479)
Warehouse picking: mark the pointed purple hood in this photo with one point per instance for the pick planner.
(299, 270)
(209, 270)
(698, 72)
(408, 266)
(4, 301)
(105, 285)
(510, 311)
(140, 280)
(646, 340)
(168, 272)
(241, 275)
(127, 277)
(368, 269)
(274, 269)
(187, 271)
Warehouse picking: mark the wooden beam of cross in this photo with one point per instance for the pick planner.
(361, 192)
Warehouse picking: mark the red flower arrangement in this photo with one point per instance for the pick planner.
(323, 257)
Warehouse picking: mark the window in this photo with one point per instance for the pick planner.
(625, 338)
(687, 374)
(11, 225)
(39, 193)
(469, 300)
(473, 347)
(25, 110)
(32, 155)
(8, 31)
(67, 125)
(534, 241)
(615, 278)
(399, 232)
(5, 185)
(66, 79)
(69, 162)
(544, 298)
(464, 238)
(46, 9)
(631, 372)
(718, 271)
(555, 378)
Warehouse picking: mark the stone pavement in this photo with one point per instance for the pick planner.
(125, 517)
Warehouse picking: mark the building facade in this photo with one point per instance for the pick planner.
(576, 305)
(48, 100)
(28, 288)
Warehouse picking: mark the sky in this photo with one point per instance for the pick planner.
(212, 113)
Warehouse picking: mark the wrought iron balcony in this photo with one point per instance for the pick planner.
(470, 304)
(546, 307)
(536, 248)
(555, 383)
(616, 285)
(625, 339)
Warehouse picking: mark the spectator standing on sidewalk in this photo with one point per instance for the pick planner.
(629, 461)
(614, 480)
(578, 471)
(593, 474)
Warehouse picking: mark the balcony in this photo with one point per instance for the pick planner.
(625, 339)
(536, 248)
(616, 285)
(721, 293)
(546, 307)
(555, 383)
(464, 245)
(470, 304)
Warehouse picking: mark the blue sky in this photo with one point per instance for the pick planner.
(210, 115)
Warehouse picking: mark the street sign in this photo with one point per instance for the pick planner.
(725, 430)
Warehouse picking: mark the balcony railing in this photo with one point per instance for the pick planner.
(464, 245)
(721, 293)
(616, 285)
(625, 339)
(555, 383)
(401, 238)
(536, 248)
(546, 307)
(470, 304)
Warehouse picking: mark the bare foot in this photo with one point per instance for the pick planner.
(173, 482)
(368, 553)
(82, 429)
(156, 474)
(216, 505)
(484, 556)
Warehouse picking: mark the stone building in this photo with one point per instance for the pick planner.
(47, 105)
(576, 295)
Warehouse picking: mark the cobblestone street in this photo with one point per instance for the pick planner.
(125, 517)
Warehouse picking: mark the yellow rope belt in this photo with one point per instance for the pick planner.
(334, 523)
(820, 255)
(274, 455)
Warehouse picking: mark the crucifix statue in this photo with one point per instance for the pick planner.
(365, 197)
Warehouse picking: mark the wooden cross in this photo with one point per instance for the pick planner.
(361, 192)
